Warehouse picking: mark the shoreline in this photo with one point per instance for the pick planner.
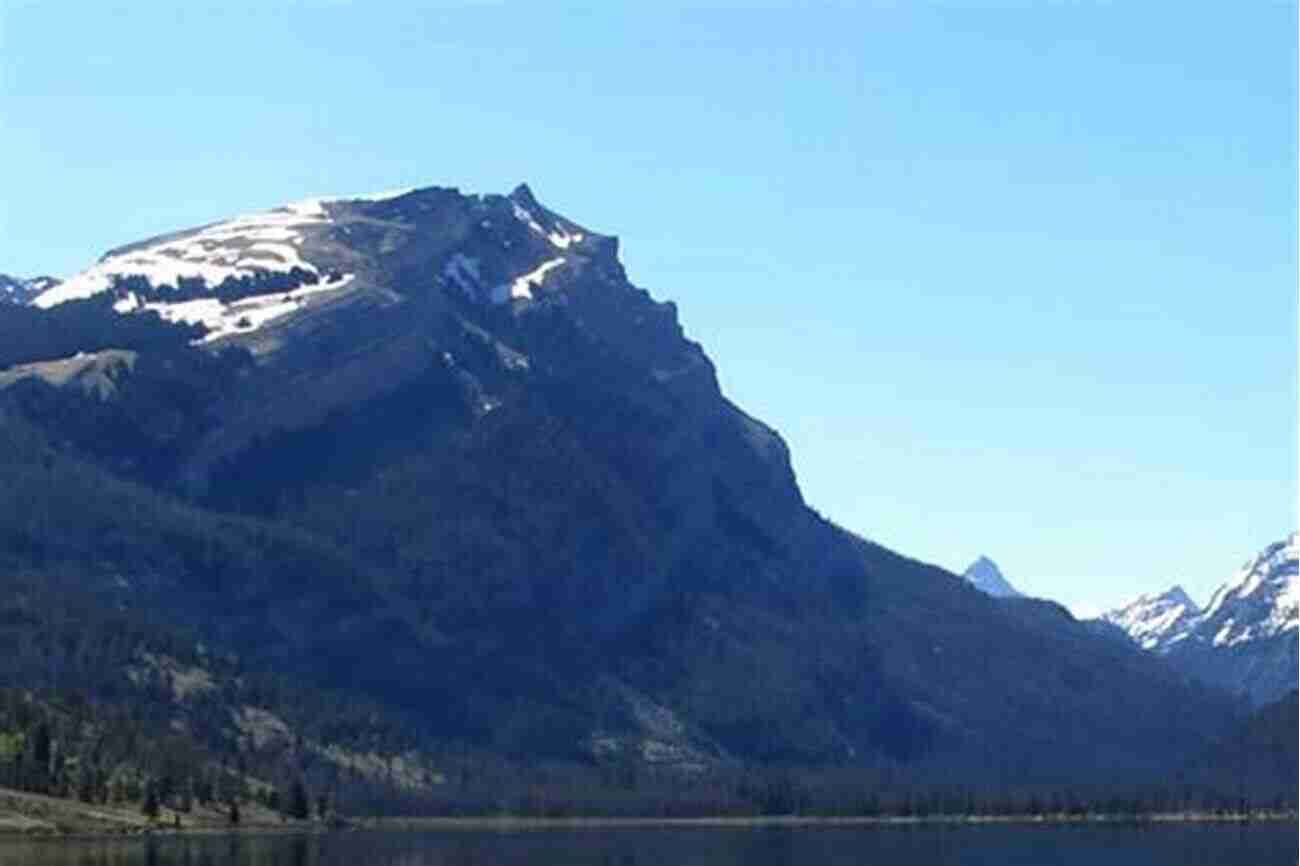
(137, 829)
(509, 822)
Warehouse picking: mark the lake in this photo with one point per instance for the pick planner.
(1272, 844)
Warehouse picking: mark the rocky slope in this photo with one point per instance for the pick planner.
(437, 449)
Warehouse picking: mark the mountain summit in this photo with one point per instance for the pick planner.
(984, 575)
(1156, 622)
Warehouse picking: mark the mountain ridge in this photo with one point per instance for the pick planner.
(1155, 620)
(507, 496)
(1243, 640)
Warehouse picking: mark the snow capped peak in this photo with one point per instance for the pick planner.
(1260, 571)
(1158, 620)
(1174, 595)
(985, 576)
(1260, 601)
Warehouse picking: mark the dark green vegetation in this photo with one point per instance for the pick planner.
(527, 547)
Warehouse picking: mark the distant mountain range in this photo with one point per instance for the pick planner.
(1244, 640)
(1155, 621)
(984, 575)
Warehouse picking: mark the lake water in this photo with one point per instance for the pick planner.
(1164, 845)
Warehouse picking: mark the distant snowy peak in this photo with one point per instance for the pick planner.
(1261, 600)
(1156, 622)
(1244, 641)
(985, 576)
(16, 290)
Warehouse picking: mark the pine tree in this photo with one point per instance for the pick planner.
(150, 805)
(42, 747)
(299, 801)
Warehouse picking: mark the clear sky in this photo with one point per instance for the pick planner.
(1017, 280)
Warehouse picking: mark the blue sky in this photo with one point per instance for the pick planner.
(1017, 279)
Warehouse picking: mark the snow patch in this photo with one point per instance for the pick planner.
(213, 254)
(242, 246)
(562, 239)
(522, 286)
(242, 316)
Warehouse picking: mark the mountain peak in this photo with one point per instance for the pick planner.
(523, 195)
(1244, 639)
(459, 425)
(1156, 621)
(985, 576)
(1261, 600)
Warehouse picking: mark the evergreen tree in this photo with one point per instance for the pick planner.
(299, 801)
(42, 748)
(150, 805)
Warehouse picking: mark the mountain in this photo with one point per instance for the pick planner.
(16, 290)
(437, 451)
(1245, 640)
(1156, 622)
(984, 575)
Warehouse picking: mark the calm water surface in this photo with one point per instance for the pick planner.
(1182, 845)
